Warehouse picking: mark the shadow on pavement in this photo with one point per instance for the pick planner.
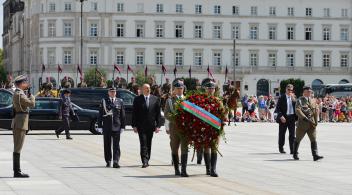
(264, 153)
(161, 176)
(284, 160)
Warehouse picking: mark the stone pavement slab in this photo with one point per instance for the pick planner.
(250, 164)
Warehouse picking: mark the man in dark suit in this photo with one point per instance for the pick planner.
(112, 120)
(65, 111)
(145, 121)
(286, 117)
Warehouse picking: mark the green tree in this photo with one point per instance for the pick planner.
(92, 77)
(140, 77)
(3, 73)
(297, 83)
(189, 82)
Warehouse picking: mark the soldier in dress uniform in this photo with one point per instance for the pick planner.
(21, 104)
(65, 111)
(306, 110)
(112, 121)
(166, 88)
(175, 138)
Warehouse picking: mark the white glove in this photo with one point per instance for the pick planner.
(122, 130)
(100, 130)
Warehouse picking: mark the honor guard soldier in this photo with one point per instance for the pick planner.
(176, 139)
(21, 104)
(65, 111)
(166, 88)
(306, 111)
(112, 121)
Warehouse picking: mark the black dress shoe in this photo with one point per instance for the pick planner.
(57, 134)
(145, 165)
(108, 164)
(282, 151)
(116, 165)
(69, 137)
(19, 174)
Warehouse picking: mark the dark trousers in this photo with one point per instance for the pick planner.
(145, 141)
(290, 125)
(114, 138)
(65, 126)
(244, 109)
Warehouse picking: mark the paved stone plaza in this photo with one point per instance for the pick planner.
(251, 165)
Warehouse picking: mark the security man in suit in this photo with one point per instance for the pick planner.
(65, 111)
(21, 104)
(306, 111)
(112, 121)
(175, 138)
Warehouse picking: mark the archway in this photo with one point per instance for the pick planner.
(344, 81)
(263, 87)
(317, 84)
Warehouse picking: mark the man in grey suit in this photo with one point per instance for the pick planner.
(112, 120)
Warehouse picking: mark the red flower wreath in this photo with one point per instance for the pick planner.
(198, 133)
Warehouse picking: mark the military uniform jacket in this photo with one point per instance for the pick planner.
(21, 105)
(65, 108)
(169, 110)
(111, 115)
(306, 109)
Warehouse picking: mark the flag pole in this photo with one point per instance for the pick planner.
(77, 75)
(95, 75)
(225, 74)
(161, 78)
(113, 76)
(127, 73)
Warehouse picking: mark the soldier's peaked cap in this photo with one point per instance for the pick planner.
(20, 79)
(178, 84)
(307, 88)
(112, 89)
(210, 84)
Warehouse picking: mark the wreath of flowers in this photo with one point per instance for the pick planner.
(198, 133)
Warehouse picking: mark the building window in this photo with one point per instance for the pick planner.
(94, 6)
(159, 8)
(237, 58)
(67, 57)
(217, 9)
(309, 11)
(140, 30)
(159, 30)
(198, 9)
(198, 58)
(140, 58)
(159, 58)
(344, 34)
(326, 12)
(67, 29)
(308, 59)
(41, 29)
(52, 7)
(253, 32)
(272, 32)
(68, 7)
(51, 56)
(326, 59)
(140, 7)
(344, 60)
(254, 10)
(326, 33)
(272, 59)
(41, 56)
(179, 30)
(290, 59)
(308, 33)
(235, 10)
(120, 57)
(120, 30)
(291, 11)
(52, 29)
(179, 58)
(120, 7)
(344, 12)
(217, 58)
(93, 31)
(93, 57)
(198, 31)
(253, 58)
(179, 8)
(236, 31)
(217, 31)
(290, 32)
(272, 11)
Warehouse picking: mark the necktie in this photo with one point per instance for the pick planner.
(147, 101)
(289, 106)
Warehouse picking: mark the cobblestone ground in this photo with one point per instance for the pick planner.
(251, 164)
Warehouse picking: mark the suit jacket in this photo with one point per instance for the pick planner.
(65, 108)
(146, 119)
(112, 115)
(21, 105)
(304, 110)
(281, 107)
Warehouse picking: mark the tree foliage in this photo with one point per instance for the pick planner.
(92, 77)
(297, 83)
